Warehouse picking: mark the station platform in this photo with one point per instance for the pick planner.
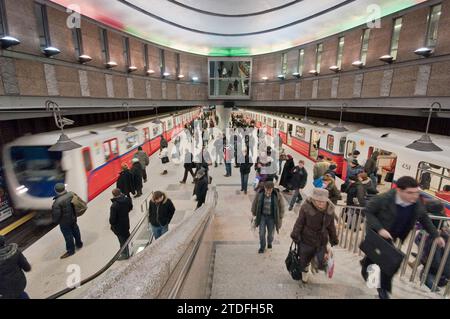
(238, 271)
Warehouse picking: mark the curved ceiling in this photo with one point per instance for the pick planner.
(234, 27)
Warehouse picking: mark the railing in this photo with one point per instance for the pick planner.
(140, 228)
(351, 228)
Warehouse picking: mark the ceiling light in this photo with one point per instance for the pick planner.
(111, 64)
(424, 143)
(51, 51)
(425, 52)
(387, 58)
(314, 72)
(8, 41)
(132, 68)
(84, 58)
(150, 71)
(194, 78)
(358, 64)
(180, 76)
(166, 73)
(296, 75)
(335, 68)
(264, 78)
(64, 143)
(281, 76)
(129, 128)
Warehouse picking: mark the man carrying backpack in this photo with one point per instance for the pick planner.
(64, 213)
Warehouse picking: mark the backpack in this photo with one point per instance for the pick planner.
(79, 205)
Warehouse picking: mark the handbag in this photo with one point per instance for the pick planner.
(165, 159)
(389, 177)
(382, 252)
(293, 262)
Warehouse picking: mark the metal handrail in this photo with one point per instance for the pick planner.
(351, 234)
(111, 262)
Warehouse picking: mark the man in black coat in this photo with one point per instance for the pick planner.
(298, 182)
(244, 168)
(119, 219)
(188, 166)
(393, 215)
(286, 176)
(125, 181)
(201, 187)
(63, 213)
(138, 174)
(12, 265)
(160, 213)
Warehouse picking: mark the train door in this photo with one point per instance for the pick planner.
(386, 166)
(87, 163)
(111, 153)
(289, 134)
(314, 144)
(147, 147)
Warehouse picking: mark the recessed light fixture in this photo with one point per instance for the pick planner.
(335, 68)
(132, 68)
(296, 75)
(8, 41)
(264, 78)
(425, 52)
(50, 51)
(314, 72)
(194, 78)
(111, 64)
(84, 58)
(281, 76)
(180, 76)
(150, 71)
(166, 73)
(387, 58)
(358, 64)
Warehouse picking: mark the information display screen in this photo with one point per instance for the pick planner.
(229, 78)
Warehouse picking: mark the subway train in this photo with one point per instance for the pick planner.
(315, 137)
(32, 171)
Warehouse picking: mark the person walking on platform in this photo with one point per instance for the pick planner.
(282, 157)
(298, 182)
(160, 213)
(163, 142)
(188, 166)
(12, 265)
(164, 156)
(286, 176)
(320, 168)
(120, 220)
(244, 168)
(201, 187)
(218, 150)
(144, 161)
(371, 168)
(268, 210)
(125, 181)
(137, 172)
(63, 213)
(228, 159)
(329, 184)
(393, 215)
(313, 230)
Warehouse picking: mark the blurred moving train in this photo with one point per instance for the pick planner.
(32, 171)
(315, 137)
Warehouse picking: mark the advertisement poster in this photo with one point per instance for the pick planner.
(5, 206)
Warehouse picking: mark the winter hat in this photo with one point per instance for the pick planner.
(332, 167)
(135, 160)
(355, 161)
(320, 194)
(60, 188)
(201, 172)
(2, 241)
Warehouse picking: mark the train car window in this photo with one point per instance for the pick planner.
(342, 144)
(300, 132)
(146, 134)
(330, 142)
(169, 124)
(114, 147)
(432, 177)
(87, 160)
(106, 150)
(274, 124)
(131, 140)
(351, 146)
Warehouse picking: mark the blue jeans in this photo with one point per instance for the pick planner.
(228, 168)
(295, 197)
(244, 181)
(71, 232)
(158, 231)
(267, 221)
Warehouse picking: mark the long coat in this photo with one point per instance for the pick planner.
(12, 278)
(201, 188)
(299, 177)
(125, 182)
(63, 212)
(137, 173)
(278, 208)
(161, 214)
(286, 175)
(314, 227)
(118, 217)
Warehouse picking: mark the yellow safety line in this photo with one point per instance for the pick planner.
(16, 224)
